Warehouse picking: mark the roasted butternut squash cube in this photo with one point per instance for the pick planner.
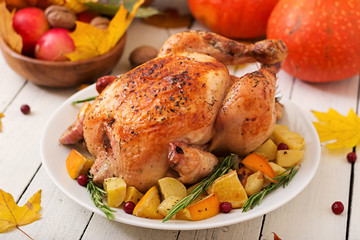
(116, 191)
(256, 162)
(289, 158)
(206, 208)
(228, 188)
(147, 207)
(77, 163)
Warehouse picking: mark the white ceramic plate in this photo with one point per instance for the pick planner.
(54, 154)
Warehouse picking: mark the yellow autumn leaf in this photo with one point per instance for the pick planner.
(340, 131)
(7, 32)
(76, 6)
(1, 116)
(11, 215)
(91, 41)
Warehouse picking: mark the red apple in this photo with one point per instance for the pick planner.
(240, 19)
(54, 44)
(30, 23)
(86, 16)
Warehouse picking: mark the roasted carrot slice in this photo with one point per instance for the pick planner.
(255, 162)
(77, 164)
(206, 208)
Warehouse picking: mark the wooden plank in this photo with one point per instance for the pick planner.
(21, 135)
(309, 214)
(10, 83)
(61, 218)
(246, 230)
(101, 228)
(354, 230)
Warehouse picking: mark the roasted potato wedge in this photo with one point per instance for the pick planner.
(229, 189)
(282, 135)
(171, 187)
(254, 183)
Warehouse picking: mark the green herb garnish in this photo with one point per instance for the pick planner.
(283, 179)
(97, 195)
(220, 170)
(83, 100)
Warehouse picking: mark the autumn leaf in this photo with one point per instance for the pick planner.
(13, 216)
(1, 116)
(76, 6)
(91, 41)
(341, 131)
(8, 34)
(276, 237)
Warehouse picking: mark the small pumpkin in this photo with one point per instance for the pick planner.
(240, 19)
(322, 36)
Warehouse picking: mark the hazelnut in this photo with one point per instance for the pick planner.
(141, 55)
(60, 17)
(100, 22)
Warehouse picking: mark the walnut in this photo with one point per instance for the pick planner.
(60, 17)
(141, 55)
(100, 22)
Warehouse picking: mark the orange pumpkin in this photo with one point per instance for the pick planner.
(241, 19)
(323, 38)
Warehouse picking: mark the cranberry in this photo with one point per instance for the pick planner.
(337, 207)
(129, 207)
(225, 207)
(25, 109)
(282, 146)
(103, 82)
(82, 180)
(351, 157)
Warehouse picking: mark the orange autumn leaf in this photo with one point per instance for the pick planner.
(276, 237)
(13, 216)
(8, 34)
(91, 41)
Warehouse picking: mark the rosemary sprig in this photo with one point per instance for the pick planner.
(283, 179)
(83, 100)
(220, 170)
(97, 195)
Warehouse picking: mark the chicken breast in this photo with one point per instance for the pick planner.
(131, 123)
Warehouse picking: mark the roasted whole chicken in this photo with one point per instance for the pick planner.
(173, 115)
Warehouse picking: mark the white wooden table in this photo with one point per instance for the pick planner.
(308, 216)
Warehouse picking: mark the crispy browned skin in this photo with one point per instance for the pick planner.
(131, 123)
(175, 97)
(225, 50)
(247, 115)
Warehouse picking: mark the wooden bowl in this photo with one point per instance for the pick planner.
(65, 73)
